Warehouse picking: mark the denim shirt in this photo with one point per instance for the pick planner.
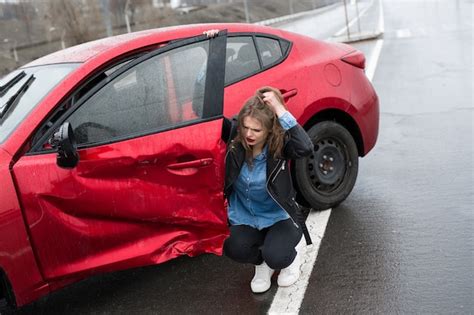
(250, 203)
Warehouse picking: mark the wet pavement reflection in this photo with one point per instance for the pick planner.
(403, 241)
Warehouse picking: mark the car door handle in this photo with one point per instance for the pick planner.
(191, 164)
(289, 94)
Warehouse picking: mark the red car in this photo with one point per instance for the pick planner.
(112, 152)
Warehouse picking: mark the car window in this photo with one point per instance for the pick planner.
(161, 92)
(43, 79)
(241, 58)
(269, 49)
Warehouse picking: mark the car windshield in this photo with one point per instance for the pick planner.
(23, 89)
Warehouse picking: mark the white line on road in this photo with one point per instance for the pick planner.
(288, 300)
(372, 64)
(374, 58)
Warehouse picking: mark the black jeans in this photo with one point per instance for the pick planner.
(275, 244)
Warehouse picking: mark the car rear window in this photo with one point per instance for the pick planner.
(23, 89)
(269, 49)
(241, 58)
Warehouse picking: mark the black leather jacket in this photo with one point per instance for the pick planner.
(279, 183)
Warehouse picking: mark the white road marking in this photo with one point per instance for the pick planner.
(374, 57)
(288, 300)
(372, 64)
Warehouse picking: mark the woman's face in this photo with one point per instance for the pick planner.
(254, 133)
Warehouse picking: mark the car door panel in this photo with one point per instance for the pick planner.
(141, 200)
(124, 192)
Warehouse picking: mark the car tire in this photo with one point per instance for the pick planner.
(326, 177)
(7, 298)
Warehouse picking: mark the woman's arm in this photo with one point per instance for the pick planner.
(297, 144)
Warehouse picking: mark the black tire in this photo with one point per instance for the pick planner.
(327, 177)
(7, 298)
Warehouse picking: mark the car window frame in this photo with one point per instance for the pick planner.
(259, 51)
(254, 36)
(37, 147)
(73, 97)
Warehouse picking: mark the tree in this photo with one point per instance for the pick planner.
(79, 19)
(25, 12)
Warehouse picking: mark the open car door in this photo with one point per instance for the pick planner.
(148, 184)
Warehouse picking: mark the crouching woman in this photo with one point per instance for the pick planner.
(262, 211)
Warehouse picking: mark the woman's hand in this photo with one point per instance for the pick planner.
(274, 103)
(211, 33)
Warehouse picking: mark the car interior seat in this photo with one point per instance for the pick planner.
(244, 63)
(247, 58)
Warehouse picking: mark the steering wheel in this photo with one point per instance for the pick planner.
(82, 131)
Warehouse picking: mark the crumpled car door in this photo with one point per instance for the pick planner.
(148, 185)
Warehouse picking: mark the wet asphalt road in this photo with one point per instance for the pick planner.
(401, 243)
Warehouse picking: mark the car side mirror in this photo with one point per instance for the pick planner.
(229, 128)
(65, 143)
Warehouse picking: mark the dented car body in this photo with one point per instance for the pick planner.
(112, 152)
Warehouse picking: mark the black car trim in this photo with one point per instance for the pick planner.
(215, 76)
(260, 62)
(38, 142)
(38, 149)
(72, 98)
(285, 54)
(134, 135)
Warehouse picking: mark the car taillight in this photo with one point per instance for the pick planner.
(355, 58)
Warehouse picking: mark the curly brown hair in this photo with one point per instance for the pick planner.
(256, 108)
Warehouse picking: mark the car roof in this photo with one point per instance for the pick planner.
(128, 42)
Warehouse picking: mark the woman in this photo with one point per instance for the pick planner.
(262, 210)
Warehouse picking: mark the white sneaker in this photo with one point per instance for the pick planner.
(261, 281)
(290, 274)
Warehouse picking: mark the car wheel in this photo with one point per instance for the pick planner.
(7, 303)
(327, 176)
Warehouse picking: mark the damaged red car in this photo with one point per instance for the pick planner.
(112, 152)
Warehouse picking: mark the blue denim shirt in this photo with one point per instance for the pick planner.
(250, 203)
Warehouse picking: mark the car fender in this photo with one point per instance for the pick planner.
(323, 104)
(17, 258)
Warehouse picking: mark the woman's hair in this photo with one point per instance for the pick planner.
(256, 108)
